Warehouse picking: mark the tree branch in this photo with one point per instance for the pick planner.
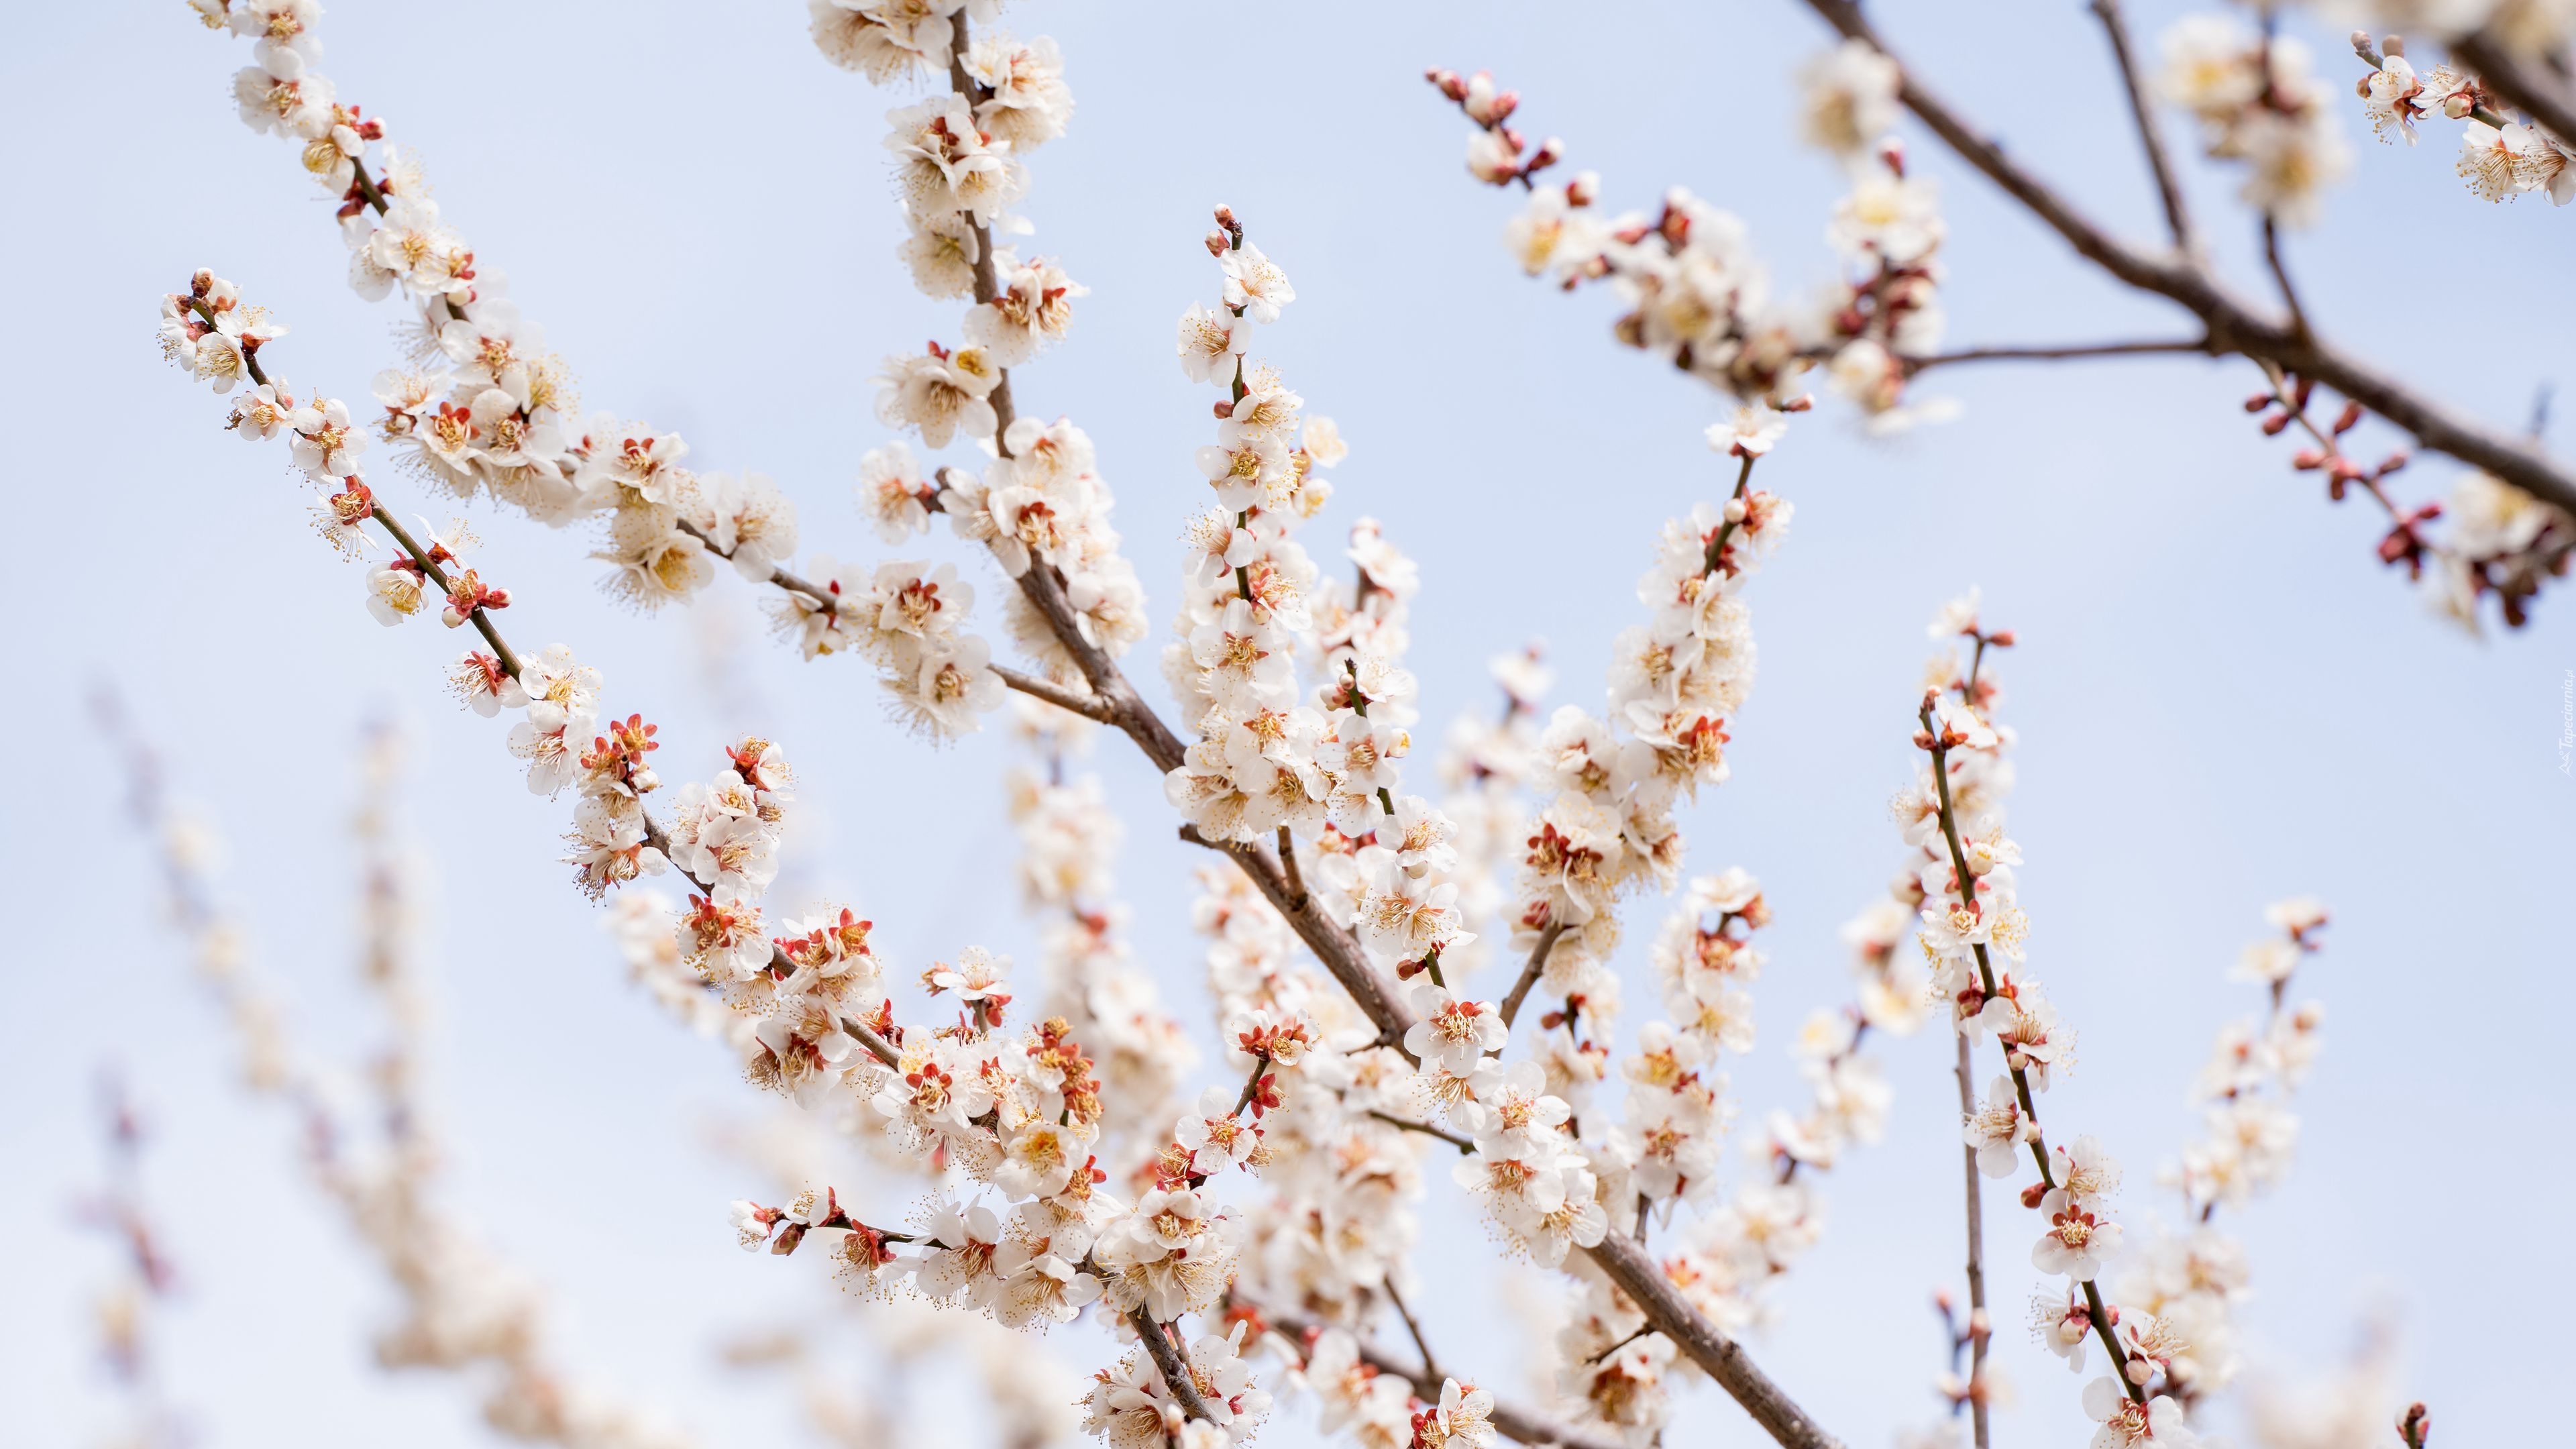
(2233, 325)
(1430, 1364)
(1081, 702)
(2057, 352)
(2528, 88)
(1530, 973)
(2151, 138)
(1168, 1361)
(1978, 1324)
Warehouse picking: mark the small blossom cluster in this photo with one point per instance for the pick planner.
(1042, 504)
(907, 617)
(2258, 103)
(1697, 295)
(1611, 781)
(2500, 159)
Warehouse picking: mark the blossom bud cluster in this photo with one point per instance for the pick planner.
(2500, 159)
(2258, 103)
(1697, 295)
(1483, 763)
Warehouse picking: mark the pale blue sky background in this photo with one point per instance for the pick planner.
(2224, 700)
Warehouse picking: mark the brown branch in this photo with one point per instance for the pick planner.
(1642, 1279)
(2527, 88)
(2233, 325)
(2051, 353)
(1167, 1359)
(1082, 702)
(1530, 973)
(1463, 1145)
(2168, 187)
(1515, 1422)
(1288, 865)
(1430, 1364)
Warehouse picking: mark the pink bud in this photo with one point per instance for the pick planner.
(2349, 419)
(2307, 458)
(2273, 425)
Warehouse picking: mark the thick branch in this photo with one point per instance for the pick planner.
(2233, 325)
(2150, 137)
(1168, 1361)
(2526, 87)
(1723, 1358)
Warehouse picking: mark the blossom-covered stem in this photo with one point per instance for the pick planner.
(1464, 1145)
(250, 345)
(1978, 1325)
(2543, 96)
(2059, 353)
(1421, 1345)
(2020, 1079)
(1158, 1344)
(421, 559)
(1081, 702)
(1530, 973)
(1514, 1421)
(2233, 325)
(2168, 188)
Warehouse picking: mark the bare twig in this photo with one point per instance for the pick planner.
(1082, 702)
(2281, 274)
(1463, 1145)
(2151, 138)
(2058, 353)
(1530, 973)
(2233, 325)
(1430, 1363)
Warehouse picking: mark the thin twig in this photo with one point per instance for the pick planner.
(2281, 274)
(1530, 973)
(2059, 353)
(2151, 138)
(1430, 1364)
(1463, 1145)
(1081, 702)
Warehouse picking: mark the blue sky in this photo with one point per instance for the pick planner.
(2223, 699)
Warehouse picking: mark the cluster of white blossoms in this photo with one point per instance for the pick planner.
(2499, 158)
(1484, 763)
(1697, 295)
(2259, 104)
(482, 409)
